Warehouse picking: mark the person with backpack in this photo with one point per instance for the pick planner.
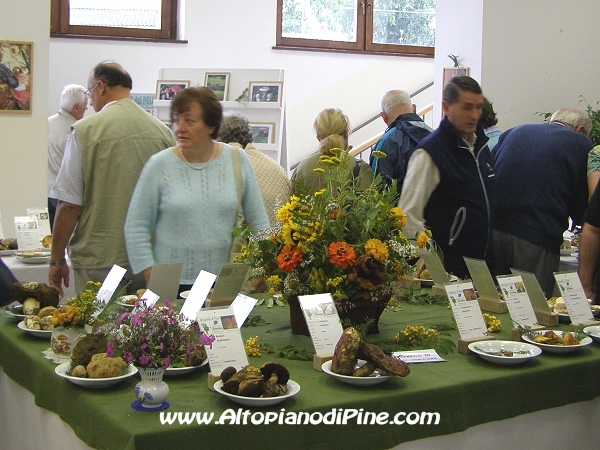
(405, 130)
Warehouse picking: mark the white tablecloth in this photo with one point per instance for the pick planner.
(35, 272)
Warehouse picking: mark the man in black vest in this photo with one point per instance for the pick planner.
(449, 182)
(405, 130)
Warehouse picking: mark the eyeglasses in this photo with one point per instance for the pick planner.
(88, 91)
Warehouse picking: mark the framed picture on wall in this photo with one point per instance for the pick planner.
(144, 101)
(167, 89)
(16, 76)
(265, 91)
(451, 72)
(218, 82)
(262, 132)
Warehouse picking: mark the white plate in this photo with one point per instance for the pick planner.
(46, 334)
(594, 332)
(558, 349)
(94, 383)
(177, 371)
(121, 301)
(292, 389)
(568, 251)
(184, 294)
(429, 283)
(33, 257)
(7, 252)
(376, 377)
(484, 348)
(15, 316)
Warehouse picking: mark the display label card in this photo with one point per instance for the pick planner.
(242, 307)
(229, 283)
(419, 356)
(323, 322)
(150, 298)
(28, 237)
(1, 230)
(435, 267)
(517, 300)
(222, 339)
(534, 290)
(43, 219)
(109, 286)
(574, 297)
(466, 310)
(164, 280)
(482, 278)
(198, 294)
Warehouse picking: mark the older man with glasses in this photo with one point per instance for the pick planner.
(104, 156)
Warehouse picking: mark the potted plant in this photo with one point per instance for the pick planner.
(339, 240)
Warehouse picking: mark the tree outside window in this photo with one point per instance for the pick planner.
(395, 26)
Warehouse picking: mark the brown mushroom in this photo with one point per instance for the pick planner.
(273, 372)
(252, 387)
(227, 373)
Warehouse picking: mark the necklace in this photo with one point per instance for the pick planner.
(198, 166)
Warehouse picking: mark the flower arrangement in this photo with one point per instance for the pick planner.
(78, 311)
(153, 337)
(339, 240)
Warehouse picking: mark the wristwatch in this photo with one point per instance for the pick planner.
(58, 262)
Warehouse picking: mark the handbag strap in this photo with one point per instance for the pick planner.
(237, 169)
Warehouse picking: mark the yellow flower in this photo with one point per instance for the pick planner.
(422, 239)
(399, 216)
(274, 280)
(326, 160)
(284, 214)
(319, 170)
(290, 233)
(377, 249)
(336, 151)
(321, 192)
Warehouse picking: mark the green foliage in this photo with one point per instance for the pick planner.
(289, 352)
(255, 321)
(421, 298)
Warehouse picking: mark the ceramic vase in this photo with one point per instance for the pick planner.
(152, 390)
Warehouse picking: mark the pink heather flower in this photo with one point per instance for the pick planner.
(144, 359)
(127, 356)
(144, 346)
(207, 340)
(121, 318)
(137, 320)
(110, 349)
(161, 346)
(166, 363)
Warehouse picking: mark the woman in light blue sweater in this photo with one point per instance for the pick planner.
(184, 206)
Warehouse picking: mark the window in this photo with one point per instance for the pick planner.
(390, 26)
(115, 19)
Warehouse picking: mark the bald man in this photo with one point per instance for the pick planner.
(104, 156)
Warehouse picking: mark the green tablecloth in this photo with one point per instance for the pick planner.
(465, 391)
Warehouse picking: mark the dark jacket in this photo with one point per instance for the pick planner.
(459, 210)
(399, 142)
(540, 182)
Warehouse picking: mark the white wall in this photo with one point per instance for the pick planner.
(23, 137)
(239, 33)
(529, 56)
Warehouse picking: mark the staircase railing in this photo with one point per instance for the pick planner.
(358, 150)
(372, 141)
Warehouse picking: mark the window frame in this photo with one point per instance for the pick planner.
(364, 37)
(60, 27)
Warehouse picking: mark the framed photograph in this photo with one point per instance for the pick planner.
(265, 91)
(451, 72)
(166, 89)
(262, 132)
(16, 76)
(144, 101)
(218, 82)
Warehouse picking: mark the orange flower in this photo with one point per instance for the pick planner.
(288, 258)
(422, 239)
(341, 254)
